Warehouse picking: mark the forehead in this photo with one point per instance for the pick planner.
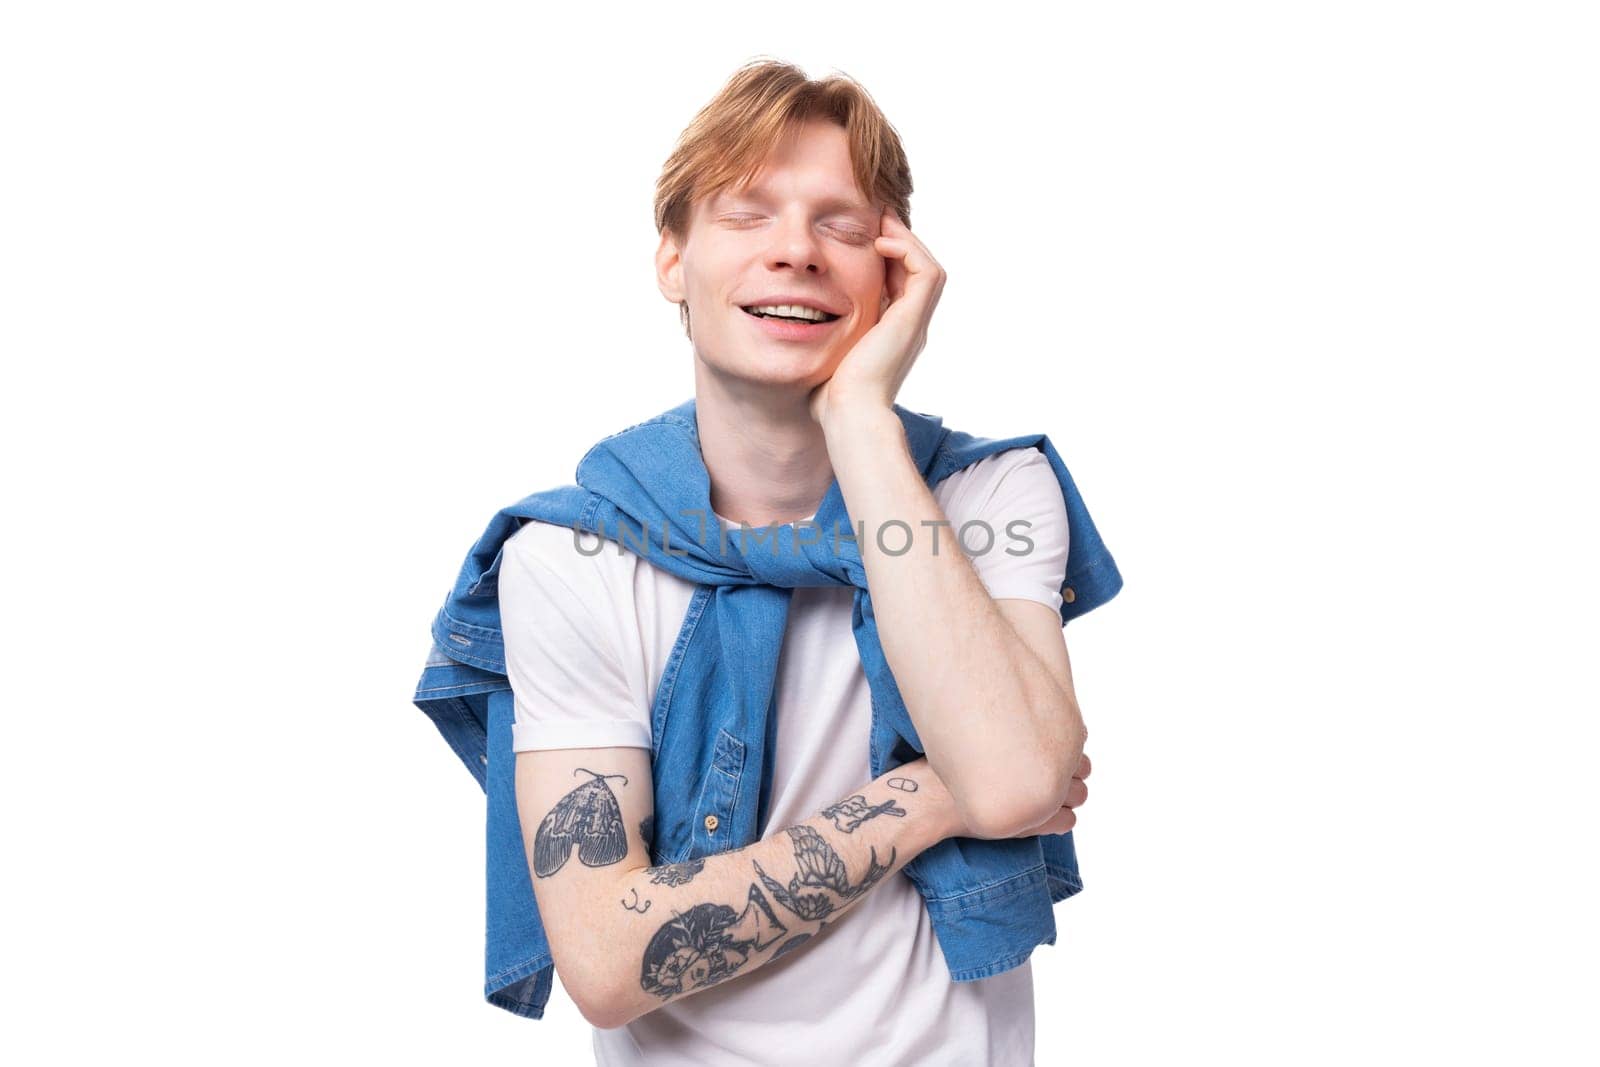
(813, 163)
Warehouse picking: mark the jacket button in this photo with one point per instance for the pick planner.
(1068, 595)
(711, 824)
(483, 759)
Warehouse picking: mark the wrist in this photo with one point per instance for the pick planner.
(944, 816)
(865, 422)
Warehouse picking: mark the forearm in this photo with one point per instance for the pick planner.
(689, 926)
(990, 716)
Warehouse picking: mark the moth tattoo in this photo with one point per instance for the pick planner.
(588, 817)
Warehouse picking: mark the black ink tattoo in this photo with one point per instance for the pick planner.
(707, 944)
(905, 785)
(630, 907)
(647, 830)
(849, 814)
(820, 868)
(589, 817)
(673, 874)
(793, 943)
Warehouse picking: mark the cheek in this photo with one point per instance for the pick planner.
(715, 276)
(867, 282)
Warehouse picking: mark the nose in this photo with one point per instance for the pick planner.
(795, 244)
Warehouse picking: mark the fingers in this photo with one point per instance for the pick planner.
(1065, 818)
(1077, 793)
(911, 253)
(898, 241)
(898, 270)
(1059, 823)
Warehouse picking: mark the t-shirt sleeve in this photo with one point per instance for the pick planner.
(1017, 495)
(563, 635)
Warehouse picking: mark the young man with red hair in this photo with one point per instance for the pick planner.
(807, 298)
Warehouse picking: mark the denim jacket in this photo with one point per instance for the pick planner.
(645, 487)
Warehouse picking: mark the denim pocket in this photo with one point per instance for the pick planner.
(716, 812)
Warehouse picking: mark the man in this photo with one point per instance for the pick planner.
(807, 299)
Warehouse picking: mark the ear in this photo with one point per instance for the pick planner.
(669, 269)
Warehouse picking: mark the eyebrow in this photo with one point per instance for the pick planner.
(831, 203)
(840, 203)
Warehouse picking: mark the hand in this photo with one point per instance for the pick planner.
(1065, 818)
(872, 371)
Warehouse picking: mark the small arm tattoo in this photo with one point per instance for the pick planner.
(675, 874)
(849, 814)
(588, 817)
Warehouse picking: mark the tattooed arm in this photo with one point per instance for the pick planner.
(627, 937)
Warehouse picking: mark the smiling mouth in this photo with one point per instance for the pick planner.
(827, 316)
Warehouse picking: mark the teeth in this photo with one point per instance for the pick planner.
(791, 310)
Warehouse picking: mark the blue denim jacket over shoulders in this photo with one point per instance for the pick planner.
(646, 487)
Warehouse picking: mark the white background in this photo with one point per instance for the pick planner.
(296, 295)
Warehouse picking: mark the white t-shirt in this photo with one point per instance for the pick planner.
(587, 638)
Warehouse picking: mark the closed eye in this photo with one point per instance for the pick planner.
(858, 236)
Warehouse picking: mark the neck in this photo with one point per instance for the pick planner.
(767, 457)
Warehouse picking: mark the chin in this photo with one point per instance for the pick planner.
(774, 368)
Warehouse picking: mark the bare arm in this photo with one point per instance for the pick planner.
(628, 938)
(1013, 763)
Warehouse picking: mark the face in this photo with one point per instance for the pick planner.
(800, 229)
